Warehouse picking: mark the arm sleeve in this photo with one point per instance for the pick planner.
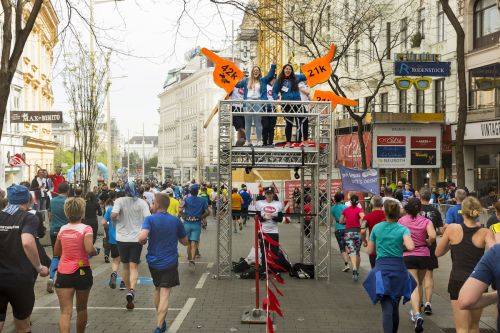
(406, 232)
(270, 74)
(241, 84)
(116, 207)
(485, 269)
(88, 230)
(300, 77)
(146, 224)
(181, 232)
(373, 234)
(30, 225)
(275, 91)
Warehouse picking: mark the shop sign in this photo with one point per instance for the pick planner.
(479, 131)
(407, 145)
(36, 117)
(413, 68)
(410, 56)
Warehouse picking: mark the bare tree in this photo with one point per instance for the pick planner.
(462, 93)
(86, 85)
(306, 24)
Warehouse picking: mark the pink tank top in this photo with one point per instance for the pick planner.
(73, 255)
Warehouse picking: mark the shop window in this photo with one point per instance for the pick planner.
(403, 101)
(484, 87)
(440, 22)
(420, 101)
(439, 97)
(486, 23)
(384, 102)
(403, 33)
(356, 54)
(421, 22)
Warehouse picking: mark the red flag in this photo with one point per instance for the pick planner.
(270, 328)
(276, 288)
(270, 240)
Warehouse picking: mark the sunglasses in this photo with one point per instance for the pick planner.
(405, 83)
(487, 83)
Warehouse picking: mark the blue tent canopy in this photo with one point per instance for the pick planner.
(102, 169)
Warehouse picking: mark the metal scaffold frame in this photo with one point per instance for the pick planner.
(314, 163)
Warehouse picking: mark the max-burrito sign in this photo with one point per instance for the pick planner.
(21, 117)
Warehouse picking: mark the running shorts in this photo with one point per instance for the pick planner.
(21, 299)
(236, 214)
(129, 252)
(454, 287)
(193, 230)
(339, 235)
(353, 243)
(433, 260)
(165, 278)
(417, 262)
(80, 280)
(113, 249)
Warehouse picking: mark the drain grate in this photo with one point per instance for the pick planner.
(481, 330)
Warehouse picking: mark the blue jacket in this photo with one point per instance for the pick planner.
(263, 81)
(290, 95)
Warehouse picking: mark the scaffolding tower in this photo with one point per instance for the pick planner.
(314, 163)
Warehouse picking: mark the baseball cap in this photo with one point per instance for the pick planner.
(169, 190)
(269, 189)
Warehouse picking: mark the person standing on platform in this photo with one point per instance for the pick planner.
(269, 123)
(285, 89)
(162, 231)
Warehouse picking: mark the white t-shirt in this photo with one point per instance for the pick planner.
(238, 95)
(254, 92)
(270, 92)
(150, 197)
(271, 208)
(131, 217)
(384, 199)
(304, 90)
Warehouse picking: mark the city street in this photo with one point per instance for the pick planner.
(204, 304)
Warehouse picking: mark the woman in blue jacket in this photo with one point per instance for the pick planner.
(256, 89)
(287, 87)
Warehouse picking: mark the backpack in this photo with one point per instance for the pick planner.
(302, 271)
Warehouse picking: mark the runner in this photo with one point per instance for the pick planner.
(19, 258)
(236, 203)
(423, 235)
(407, 193)
(370, 220)
(387, 240)
(454, 214)
(351, 217)
(163, 232)
(270, 212)
(74, 245)
(57, 219)
(128, 213)
(467, 242)
(173, 207)
(193, 211)
(92, 210)
(336, 211)
(432, 213)
(495, 219)
(113, 249)
(204, 195)
(247, 199)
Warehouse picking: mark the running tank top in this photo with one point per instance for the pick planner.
(465, 255)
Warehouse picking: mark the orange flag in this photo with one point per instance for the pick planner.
(322, 96)
(319, 70)
(226, 73)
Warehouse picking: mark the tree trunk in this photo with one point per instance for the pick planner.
(4, 98)
(462, 94)
(362, 147)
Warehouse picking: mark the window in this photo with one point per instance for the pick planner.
(388, 39)
(302, 41)
(356, 53)
(384, 102)
(403, 101)
(328, 17)
(420, 100)
(312, 27)
(371, 45)
(484, 87)
(486, 23)
(440, 22)
(439, 100)
(421, 22)
(369, 104)
(293, 33)
(346, 62)
(403, 32)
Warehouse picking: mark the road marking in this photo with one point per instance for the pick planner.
(202, 280)
(210, 265)
(181, 316)
(103, 308)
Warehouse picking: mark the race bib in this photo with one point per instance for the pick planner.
(284, 89)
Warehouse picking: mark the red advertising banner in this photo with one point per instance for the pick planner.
(348, 152)
(290, 185)
(423, 142)
(391, 140)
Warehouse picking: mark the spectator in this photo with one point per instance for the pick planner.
(489, 200)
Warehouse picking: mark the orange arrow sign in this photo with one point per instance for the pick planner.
(226, 74)
(322, 96)
(319, 70)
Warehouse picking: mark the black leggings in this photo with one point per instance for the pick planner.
(390, 314)
(268, 125)
(301, 124)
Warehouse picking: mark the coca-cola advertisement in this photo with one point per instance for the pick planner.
(348, 151)
(391, 140)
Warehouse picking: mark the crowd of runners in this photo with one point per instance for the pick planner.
(400, 236)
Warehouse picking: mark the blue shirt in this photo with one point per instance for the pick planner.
(164, 232)
(336, 211)
(111, 226)
(58, 218)
(454, 215)
(247, 198)
(177, 192)
(195, 207)
(407, 195)
(487, 271)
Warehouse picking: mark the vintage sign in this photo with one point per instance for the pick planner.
(319, 70)
(36, 117)
(479, 131)
(226, 74)
(413, 68)
(407, 146)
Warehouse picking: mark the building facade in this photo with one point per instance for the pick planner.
(189, 94)
(149, 149)
(32, 91)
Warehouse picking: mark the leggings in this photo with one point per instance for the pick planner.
(301, 124)
(268, 125)
(390, 314)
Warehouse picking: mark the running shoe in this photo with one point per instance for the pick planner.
(164, 327)
(419, 323)
(130, 299)
(106, 259)
(247, 144)
(122, 285)
(50, 286)
(157, 330)
(412, 316)
(346, 269)
(428, 309)
(192, 265)
(355, 275)
(112, 280)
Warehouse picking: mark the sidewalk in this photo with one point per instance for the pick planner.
(204, 304)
